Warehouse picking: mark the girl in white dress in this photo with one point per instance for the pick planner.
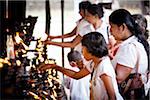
(79, 24)
(104, 84)
(93, 16)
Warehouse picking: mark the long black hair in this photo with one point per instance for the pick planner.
(84, 5)
(95, 44)
(96, 9)
(122, 16)
(142, 22)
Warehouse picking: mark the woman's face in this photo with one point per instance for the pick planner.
(85, 53)
(89, 17)
(115, 31)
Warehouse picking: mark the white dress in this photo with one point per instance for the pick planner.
(87, 28)
(98, 88)
(81, 24)
(79, 89)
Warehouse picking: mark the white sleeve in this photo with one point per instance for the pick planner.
(127, 55)
(83, 23)
(106, 68)
(85, 30)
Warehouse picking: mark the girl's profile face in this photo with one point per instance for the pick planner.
(89, 17)
(85, 53)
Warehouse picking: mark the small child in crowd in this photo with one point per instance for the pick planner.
(79, 89)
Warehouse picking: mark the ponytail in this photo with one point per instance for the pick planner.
(141, 38)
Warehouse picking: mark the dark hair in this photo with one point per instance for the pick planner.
(95, 9)
(84, 5)
(95, 44)
(142, 22)
(74, 56)
(122, 16)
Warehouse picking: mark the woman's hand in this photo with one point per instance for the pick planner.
(51, 37)
(43, 67)
(47, 42)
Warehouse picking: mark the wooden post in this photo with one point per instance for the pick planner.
(62, 21)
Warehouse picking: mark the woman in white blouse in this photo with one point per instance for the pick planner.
(134, 46)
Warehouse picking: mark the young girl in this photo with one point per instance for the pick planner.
(79, 89)
(94, 49)
(94, 14)
(80, 23)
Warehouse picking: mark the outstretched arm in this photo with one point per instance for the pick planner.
(70, 44)
(67, 35)
(76, 75)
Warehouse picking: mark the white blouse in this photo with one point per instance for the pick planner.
(87, 28)
(98, 88)
(127, 56)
